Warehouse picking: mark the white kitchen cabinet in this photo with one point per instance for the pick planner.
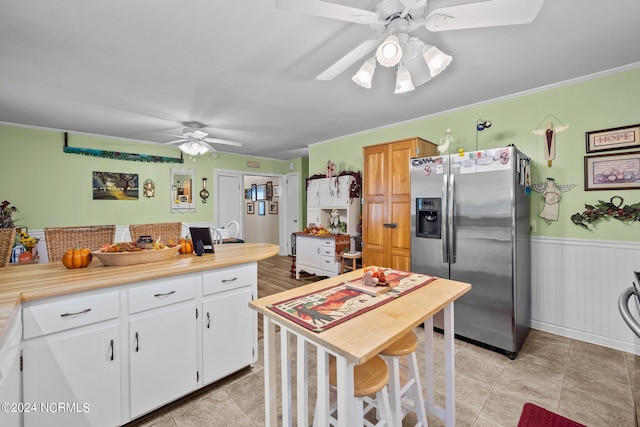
(10, 375)
(163, 356)
(228, 346)
(110, 356)
(72, 358)
(78, 369)
(316, 255)
(326, 194)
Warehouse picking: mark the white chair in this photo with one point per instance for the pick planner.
(233, 229)
(216, 236)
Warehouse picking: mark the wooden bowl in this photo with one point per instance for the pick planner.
(140, 257)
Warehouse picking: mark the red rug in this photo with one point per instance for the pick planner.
(535, 416)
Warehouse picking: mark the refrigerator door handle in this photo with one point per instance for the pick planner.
(451, 234)
(445, 221)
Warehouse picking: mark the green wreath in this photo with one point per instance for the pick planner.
(611, 209)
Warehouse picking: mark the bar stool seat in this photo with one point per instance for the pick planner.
(369, 378)
(408, 397)
(354, 257)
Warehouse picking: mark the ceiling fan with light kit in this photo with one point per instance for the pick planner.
(194, 141)
(394, 20)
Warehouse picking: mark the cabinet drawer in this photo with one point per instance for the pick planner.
(163, 292)
(224, 279)
(43, 318)
(328, 243)
(328, 263)
(327, 252)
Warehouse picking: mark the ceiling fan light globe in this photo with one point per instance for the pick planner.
(436, 60)
(403, 80)
(389, 52)
(193, 148)
(364, 76)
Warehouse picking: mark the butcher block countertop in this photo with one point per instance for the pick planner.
(32, 282)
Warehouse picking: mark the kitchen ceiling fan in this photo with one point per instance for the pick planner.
(194, 141)
(394, 20)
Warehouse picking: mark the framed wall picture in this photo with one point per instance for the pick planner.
(250, 208)
(276, 191)
(273, 208)
(262, 192)
(269, 190)
(261, 207)
(612, 171)
(613, 139)
(247, 193)
(254, 192)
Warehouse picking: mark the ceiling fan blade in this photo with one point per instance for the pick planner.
(491, 13)
(221, 141)
(349, 59)
(177, 141)
(329, 10)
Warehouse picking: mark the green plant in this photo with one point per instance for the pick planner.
(611, 209)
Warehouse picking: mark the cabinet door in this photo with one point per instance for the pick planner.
(229, 333)
(162, 356)
(313, 194)
(341, 196)
(314, 216)
(80, 370)
(10, 375)
(326, 191)
(374, 214)
(308, 251)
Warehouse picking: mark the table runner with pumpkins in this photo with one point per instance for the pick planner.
(329, 307)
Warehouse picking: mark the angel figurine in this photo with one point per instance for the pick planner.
(552, 195)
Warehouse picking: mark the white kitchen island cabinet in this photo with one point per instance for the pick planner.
(110, 344)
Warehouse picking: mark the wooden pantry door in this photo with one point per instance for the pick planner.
(386, 212)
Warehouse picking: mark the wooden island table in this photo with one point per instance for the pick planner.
(353, 342)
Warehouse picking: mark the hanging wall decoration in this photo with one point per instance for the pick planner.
(149, 188)
(118, 155)
(614, 208)
(550, 137)
(552, 194)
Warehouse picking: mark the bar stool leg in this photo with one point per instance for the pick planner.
(408, 396)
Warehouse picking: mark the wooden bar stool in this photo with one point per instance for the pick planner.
(354, 257)
(408, 397)
(369, 378)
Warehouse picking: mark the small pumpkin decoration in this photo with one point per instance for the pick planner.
(77, 258)
(187, 246)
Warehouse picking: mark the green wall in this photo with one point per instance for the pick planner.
(599, 103)
(53, 188)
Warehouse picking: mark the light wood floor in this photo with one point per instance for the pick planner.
(274, 277)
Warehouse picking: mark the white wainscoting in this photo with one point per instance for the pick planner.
(575, 286)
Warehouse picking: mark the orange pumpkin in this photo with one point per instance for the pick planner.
(187, 246)
(77, 258)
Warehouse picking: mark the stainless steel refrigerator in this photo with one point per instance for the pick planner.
(470, 222)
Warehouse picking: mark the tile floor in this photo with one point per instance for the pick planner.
(587, 383)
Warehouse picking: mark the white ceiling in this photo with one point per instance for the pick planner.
(136, 69)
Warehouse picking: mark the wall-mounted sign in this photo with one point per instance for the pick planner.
(253, 164)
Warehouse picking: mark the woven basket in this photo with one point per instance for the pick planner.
(161, 230)
(93, 237)
(7, 236)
